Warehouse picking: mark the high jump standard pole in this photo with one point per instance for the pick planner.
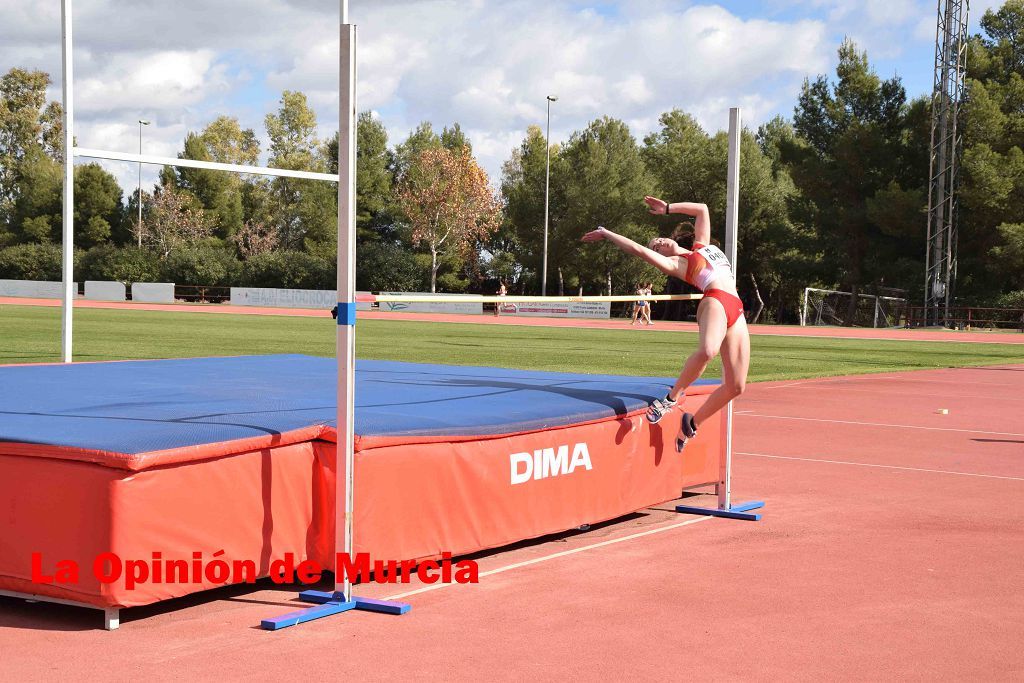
(344, 501)
(723, 488)
(732, 202)
(341, 599)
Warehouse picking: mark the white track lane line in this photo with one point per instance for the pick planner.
(884, 467)
(881, 424)
(791, 384)
(917, 393)
(908, 377)
(882, 339)
(554, 556)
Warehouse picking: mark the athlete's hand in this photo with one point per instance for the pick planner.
(595, 235)
(655, 205)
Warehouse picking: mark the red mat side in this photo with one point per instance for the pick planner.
(416, 501)
(58, 508)
(253, 506)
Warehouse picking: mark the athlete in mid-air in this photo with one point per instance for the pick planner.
(723, 329)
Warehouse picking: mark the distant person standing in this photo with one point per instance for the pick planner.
(502, 291)
(638, 305)
(645, 312)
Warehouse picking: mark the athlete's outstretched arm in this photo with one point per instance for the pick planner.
(702, 225)
(662, 263)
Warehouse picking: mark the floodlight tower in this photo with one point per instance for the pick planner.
(944, 163)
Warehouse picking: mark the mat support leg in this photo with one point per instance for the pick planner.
(111, 618)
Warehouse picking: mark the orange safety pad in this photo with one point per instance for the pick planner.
(254, 506)
(412, 501)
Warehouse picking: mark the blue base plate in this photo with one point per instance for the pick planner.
(329, 603)
(734, 512)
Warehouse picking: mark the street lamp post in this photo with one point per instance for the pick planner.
(141, 124)
(547, 188)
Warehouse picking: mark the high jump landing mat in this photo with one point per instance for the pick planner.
(235, 458)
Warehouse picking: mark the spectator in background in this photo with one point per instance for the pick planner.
(638, 305)
(645, 312)
(502, 291)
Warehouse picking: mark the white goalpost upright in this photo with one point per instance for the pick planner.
(68, 216)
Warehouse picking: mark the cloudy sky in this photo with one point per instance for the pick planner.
(487, 64)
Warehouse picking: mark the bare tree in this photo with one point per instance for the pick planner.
(174, 220)
(256, 237)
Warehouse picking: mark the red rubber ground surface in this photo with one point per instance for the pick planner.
(892, 547)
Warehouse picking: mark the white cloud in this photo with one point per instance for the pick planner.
(166, 82)
(487, 64)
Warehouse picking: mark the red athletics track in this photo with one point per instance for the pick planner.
(488, 319)
(892, 547)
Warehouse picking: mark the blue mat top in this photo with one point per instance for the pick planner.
(142, 406)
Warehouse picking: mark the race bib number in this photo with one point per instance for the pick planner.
(716, 260)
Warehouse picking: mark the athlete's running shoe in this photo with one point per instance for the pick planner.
(659, 408)
(687, 430)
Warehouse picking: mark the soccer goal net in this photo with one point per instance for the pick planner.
(829, 307)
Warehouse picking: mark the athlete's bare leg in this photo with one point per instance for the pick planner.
(711, 321)
(735, 363)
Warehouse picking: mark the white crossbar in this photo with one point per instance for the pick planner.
(192, 163)
(483, 299)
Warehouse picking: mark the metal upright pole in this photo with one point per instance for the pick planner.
(547, 190)
(139, 224)
(732, 199)
(723, 488)
(141, 124)
(68, 206)
(345, 464)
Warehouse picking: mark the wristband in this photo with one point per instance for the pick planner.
(668, 205)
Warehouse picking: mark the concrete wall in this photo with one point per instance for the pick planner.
(33, 289)
(105, 291)
(438, 307)
(288, 298)
(153, 292)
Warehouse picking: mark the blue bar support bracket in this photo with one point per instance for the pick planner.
(346, 313)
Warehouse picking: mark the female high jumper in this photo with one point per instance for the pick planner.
(720, 320)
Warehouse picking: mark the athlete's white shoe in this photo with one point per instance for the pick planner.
(658, 409)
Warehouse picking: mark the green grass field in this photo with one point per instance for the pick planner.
(31, 334)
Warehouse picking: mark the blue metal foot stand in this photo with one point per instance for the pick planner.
(329, 603)
(734, 512)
